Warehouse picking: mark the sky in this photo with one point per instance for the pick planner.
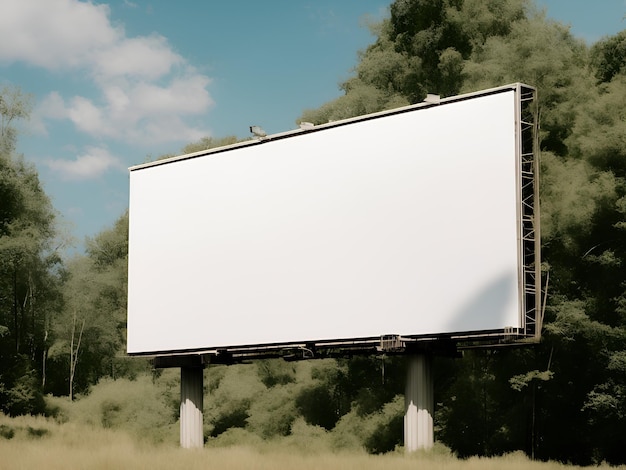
(116, 83)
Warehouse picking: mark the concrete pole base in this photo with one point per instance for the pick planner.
(419, 405)
(191, 405)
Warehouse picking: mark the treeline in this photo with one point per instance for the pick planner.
(62, 322)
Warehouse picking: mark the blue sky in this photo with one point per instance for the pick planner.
(115, 82)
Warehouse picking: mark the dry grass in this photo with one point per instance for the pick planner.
(33, 443)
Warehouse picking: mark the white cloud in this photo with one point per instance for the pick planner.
(183, 95)
(55, 33)
(93, 164)
(141, 112)
(51, 107)
(142, 83)
(147, 57)
(117, 99)
(167, 129)
(86, 116)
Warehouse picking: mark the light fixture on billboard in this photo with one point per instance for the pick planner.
(431, 98)
(258, 132)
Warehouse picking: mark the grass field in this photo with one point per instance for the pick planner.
(34, 442)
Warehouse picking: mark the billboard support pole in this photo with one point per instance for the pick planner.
(191, 404)
(419, 403)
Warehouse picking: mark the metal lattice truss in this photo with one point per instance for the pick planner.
(530, 228)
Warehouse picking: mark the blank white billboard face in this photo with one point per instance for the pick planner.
(401, 224)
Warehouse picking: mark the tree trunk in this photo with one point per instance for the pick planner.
(74, 353)
(44, 357)
(16, 330)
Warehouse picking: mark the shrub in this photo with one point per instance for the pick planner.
(145, 409)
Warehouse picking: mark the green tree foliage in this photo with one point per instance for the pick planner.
(29, 268)
(14, 105)
(338, 402)
(90, 331)
(207, 143)
(608, 57)
(543, 54)
(422, 48)
(146, 407)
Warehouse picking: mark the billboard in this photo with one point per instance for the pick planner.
(406, 222)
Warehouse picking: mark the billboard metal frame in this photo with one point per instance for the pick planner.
(528, 148)
(529, 266)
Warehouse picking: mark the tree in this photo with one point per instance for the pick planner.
(13, 105)
(543, 54)
(90, 332)
(608, 57)
(207, 143)
(422, 48)
(29, 268)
